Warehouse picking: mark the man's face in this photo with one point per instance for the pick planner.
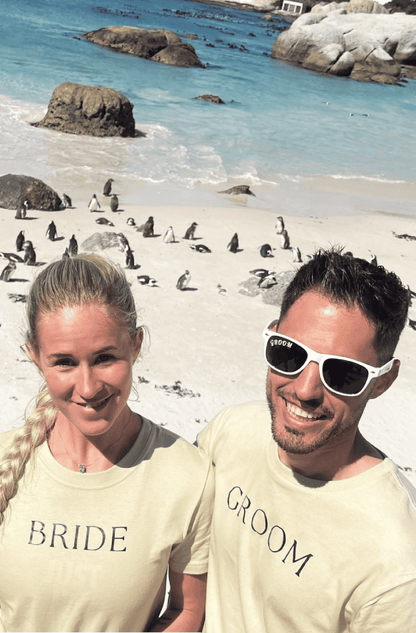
(305, 415)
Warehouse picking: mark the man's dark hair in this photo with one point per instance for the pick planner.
(351, 281)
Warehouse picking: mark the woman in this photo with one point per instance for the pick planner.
(97, 502)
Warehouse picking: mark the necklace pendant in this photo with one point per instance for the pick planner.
(82, 468)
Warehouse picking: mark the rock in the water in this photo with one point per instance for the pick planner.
(210, 98)
(14, 189)
(158, 45)
(239, 189)
(91, 110)
(101, 241)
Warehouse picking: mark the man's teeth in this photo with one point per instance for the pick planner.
(300, 413)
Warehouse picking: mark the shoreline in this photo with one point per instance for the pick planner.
(205, 348)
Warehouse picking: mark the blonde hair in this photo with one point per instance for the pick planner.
(82, 280)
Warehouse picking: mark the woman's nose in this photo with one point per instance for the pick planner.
(88, 385)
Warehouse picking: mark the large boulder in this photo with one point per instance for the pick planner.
(15, 189)
(101, 241)
(90, 110)
(366, 6)
(363, 46)
(156, 44)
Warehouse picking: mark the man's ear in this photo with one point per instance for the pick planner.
(386, 380)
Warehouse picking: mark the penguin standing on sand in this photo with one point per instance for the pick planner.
(73, 246)
(284, 240)
(123, 241)
(67, 202)
(266, 250)
(183, 280)
(297, 257)
(129, 258)
(114, 203)
(19, 241)
(29, 257)
(190, 232)
(7, 272)
(21, 210)
(148, 227)
(169, 236)
(51, 231)
(233, 245)
(280, 225)
(94, 205)
(107, 187)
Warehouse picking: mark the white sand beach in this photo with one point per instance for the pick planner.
(205, 349)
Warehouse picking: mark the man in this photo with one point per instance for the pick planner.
(314, 529)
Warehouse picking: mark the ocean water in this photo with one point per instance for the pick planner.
(279, 126)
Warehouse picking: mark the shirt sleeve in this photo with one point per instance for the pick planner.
(391, 612)
(191, 555)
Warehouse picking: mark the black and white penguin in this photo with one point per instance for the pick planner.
(131, 222)
(266, 250)
(284, 240)
(21, 210)
(123, 241)
(373, 260)
(267, 281)
(148, 227)
(107, 187)
(73, 246)
(65, 253)
(129, 258)
(104, 221)
(200, 248)
(19, 241)
(30, 256)
(261, 272)
(67, 202)
(114, 203)
(51, 231)
(280, 225)
(94, 205)
(7, 272)
(169, 236)
(183, 280)
(190, 232)
(297, 256)
(233, 245)
(145, 280)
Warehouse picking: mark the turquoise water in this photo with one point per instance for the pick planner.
(278, 125)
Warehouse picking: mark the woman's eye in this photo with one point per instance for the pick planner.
(104, 358)
(64, 362)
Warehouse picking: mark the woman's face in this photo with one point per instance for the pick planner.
(86, 356)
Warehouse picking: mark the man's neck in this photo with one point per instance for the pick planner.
(331, 463)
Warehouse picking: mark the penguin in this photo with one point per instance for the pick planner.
(30, 256)
(169, 236)
(7, 272)
(123, 241)
(65, 253)
(73, 246)
(200, 248)
(285, 241)
(190, 232)
(233, 245)
(21, 210)
(107, 187)
(266, 250)
(19, 241)
(114, 203)
(145, 280)
(104, 221)
(129, 258)
(297, 257)
(51, 231)
(261, 272)
(131, 222)
(67, 202)
(267, 281)
(148, 227)
(183, 280)
(280, 225)
(221, 290)
(94, 205)
(373, 260)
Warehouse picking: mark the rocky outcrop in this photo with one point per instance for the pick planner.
(210, 98)
(15, 189)
(89, 110)
(363, 46)
(238, 190)
(158, 45)
(101, 241)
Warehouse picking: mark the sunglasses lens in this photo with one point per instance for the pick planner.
(344, 376)
(285, 356)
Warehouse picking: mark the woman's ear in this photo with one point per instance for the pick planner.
(138, 343)
(32, 354)
(385, 381)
